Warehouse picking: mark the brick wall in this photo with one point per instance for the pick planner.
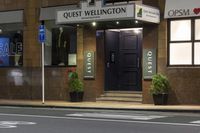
(87, 42)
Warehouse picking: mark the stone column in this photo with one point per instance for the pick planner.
(31, 47)
(80, 51)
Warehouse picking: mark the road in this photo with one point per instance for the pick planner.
(52, 120)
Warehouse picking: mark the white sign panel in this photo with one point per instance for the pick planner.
(182, 8)
(146, 13)
(149, 63)
(71, 59)
(89, 65)
(95, 12)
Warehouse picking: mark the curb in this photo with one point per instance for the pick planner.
(102, 108)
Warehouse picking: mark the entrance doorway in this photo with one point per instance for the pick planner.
(123, 59)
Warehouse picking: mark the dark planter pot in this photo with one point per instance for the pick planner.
(76, 96)
(160, 99)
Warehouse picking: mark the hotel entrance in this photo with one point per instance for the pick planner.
(123, 59)
(109, 46)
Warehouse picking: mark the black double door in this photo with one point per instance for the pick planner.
(122, 61)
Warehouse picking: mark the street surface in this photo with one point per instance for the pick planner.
(54, 120)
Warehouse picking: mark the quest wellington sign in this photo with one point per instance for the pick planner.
(182, 8)
(95, 12)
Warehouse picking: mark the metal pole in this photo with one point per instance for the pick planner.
(43, 94)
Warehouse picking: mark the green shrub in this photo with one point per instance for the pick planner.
(160, 84)
(75, 84)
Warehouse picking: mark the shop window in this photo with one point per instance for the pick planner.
(197, 53)
(180, 30)
(184, 42)
(11, 45)
(60, 44)
(180, 53)
(197, 30)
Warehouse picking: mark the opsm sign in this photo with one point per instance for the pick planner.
(182, 8)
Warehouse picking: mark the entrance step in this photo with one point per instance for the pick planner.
(121, 96)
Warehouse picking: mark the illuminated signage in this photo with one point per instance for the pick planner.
(96, 12)
(100, 12)
(4, 51)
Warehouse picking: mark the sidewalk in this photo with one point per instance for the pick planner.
(101, 105)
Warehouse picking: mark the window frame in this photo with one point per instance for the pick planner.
(193, 41)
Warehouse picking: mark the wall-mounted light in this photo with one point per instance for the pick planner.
(94, 24)
(1, 31)
(137, 31)
(136, 22)
(117, 22)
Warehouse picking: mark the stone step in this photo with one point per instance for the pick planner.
(118, 99)
(124, 92)
(129, 102)
(121, 96)
(130, 95)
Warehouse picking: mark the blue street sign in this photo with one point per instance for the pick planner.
(42, 35)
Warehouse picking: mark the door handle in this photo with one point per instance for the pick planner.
(108, 64)
(138, 62)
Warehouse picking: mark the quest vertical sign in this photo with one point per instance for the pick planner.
(149, 63)
(89, 65)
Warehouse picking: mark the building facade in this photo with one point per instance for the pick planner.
(103, 55)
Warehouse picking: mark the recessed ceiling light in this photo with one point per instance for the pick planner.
(94, 23)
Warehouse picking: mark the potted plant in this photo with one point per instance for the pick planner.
(159, 89)
(75, 88)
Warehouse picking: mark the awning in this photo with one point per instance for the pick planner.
(182, 8)
(49, 13)
(11, 17)
(101, 12)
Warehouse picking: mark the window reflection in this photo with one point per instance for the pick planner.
(11, 48)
